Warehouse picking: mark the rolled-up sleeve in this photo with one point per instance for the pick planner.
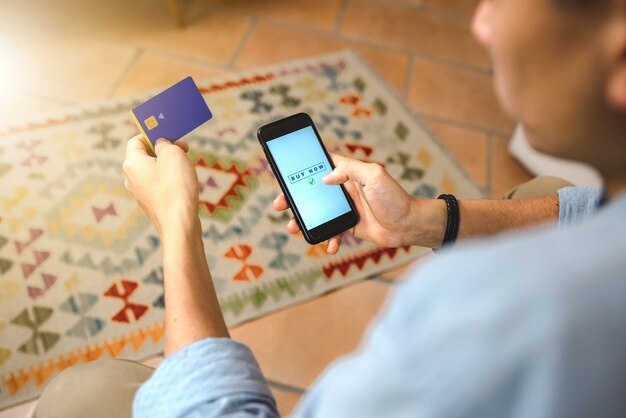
(575, 203)
(214, 377)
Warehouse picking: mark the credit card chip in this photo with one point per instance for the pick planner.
(151, 123)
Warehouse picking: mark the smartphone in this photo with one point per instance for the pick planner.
(299, 160)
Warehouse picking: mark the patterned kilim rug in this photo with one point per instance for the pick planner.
(80, 264)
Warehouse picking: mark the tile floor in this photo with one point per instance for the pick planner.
(54, 55)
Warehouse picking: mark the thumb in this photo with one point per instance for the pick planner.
(136, 146)
(355, 170)
(161, 145)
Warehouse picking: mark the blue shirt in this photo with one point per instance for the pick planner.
(527, 324)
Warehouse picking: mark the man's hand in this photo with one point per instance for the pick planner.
(389, 216)
(165, 186)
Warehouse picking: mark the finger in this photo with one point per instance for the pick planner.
(136, 146)
(183, 145)
(337, 158)
(292, 227)
(333, 244)
(162, 145)
(355, 170)
(280, 203)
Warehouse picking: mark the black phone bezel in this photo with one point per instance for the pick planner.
(328, 229)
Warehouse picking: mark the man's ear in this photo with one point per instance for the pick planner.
(483, 21)
(616, 83)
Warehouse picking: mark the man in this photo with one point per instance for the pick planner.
(525, 324)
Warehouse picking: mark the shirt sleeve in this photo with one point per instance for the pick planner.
(214, 377)
(575, 203)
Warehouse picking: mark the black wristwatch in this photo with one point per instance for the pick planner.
(452, 227)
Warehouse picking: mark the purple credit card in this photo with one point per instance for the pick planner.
(173, 113)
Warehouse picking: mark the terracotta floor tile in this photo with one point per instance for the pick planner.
(467, 146)
(154, 70)
(286, 401)
(295, 345)
(319, 14)
(460, 7)
(392, 66)
(399, 26)
(22, 17)
(65, 67)
(418, 3)
(209, 33)
(398, 273)
(453, 93)
(506, 172)
(404, 272)
(214, 37)
(261, 50)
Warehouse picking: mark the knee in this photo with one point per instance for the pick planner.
(82, 378)
(539, 186)
(69, 393)
(80, 390)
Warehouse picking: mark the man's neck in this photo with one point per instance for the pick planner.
(614, 185)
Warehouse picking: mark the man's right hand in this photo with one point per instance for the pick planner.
(389, 216)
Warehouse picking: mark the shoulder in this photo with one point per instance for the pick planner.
(539, 309)
(494, 328)
(547, 281)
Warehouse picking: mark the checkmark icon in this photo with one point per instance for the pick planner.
(311, 181)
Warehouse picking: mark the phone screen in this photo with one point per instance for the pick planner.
(302, 164)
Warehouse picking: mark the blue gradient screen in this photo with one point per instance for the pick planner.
(302, 164)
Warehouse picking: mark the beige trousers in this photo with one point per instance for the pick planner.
(105, 388)
(100, 389)
(539, 186)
